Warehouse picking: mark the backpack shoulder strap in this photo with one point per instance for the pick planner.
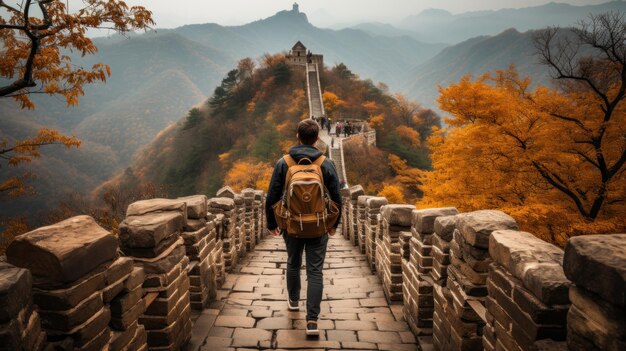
(319, 161)
(289, 161)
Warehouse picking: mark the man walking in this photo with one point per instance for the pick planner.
(315, 246)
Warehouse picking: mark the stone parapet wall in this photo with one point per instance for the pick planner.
(596, 265)
(362, 221)
(74, 286)
(20, 324)
(475, 282)
(395, 220)
(416, 269)
(527, 298)
(372, 214)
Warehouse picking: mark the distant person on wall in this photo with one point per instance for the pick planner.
(304, 216)
(328, 125)
(338, 129)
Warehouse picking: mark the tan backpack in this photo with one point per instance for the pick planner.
(305, 209)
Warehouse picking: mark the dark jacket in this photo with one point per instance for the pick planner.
(275, 192)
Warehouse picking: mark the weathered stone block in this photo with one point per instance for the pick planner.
(86, 332)
(65, 251)
(362, 200)
(124, 302)
(398, 215)
(135, 279)
(196, 206)
(66, 298)
(594, 335)
(226, 191)
(598, 264)
(607, 316)
(149, 230)
(355, 192)
(195, 224)
(165, 262)
(445, 226)
(143, 207)
(67, 320)
(424, 220)
(120, 339)
(194, 237)
(119, 269)
(535, 262)
(477, 226)
(222, 203)
(150, 253)
(15, 289)
(127, 319)
(375, 202)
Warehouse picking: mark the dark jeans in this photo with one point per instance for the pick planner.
(315, 254)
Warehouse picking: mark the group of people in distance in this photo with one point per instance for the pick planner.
(347, 128)
(344, 128)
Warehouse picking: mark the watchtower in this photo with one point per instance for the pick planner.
(300, 56)
(296, 7)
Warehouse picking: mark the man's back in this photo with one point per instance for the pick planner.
(315, 247)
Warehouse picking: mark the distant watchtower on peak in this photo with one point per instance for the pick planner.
(296, 7)
(300, 56)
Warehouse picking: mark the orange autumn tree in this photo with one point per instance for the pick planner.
(331, 102)
(37, 35)
(552, 157)
(25, 151)
(244, 174)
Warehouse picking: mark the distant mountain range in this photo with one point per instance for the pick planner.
(158, 76)
(441, 26)
(475, 56)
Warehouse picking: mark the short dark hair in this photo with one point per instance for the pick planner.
(308, 131)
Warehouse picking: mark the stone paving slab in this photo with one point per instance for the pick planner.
(251, 310)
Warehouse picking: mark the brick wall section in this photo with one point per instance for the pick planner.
(417, 280)
(86, 295)
(79, 293)
(528, 292)
(362, 221)
(395, 220)
(596, 264)
(240, 235)
(351, 213)
(20, 324)
(165, 224)
(224, 208)
(345, 217)
(372, 214)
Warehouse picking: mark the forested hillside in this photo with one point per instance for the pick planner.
(156, 77)
(249, 122)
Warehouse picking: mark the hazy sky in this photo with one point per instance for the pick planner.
(172, 13)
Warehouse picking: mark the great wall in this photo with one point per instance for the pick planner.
(200, 273)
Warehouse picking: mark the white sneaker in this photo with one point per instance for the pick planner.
(292, 305)
(311, 328)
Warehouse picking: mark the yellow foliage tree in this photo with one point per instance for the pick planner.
(409, 135)
(244, 174)
(331, 102)
(24, 151)
(553, 158)
(393, 193)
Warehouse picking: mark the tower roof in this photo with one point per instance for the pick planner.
(298, 46)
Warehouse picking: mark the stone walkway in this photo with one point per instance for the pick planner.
(251, 311)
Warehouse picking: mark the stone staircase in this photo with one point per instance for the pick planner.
(335, 155)
(315, 95)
